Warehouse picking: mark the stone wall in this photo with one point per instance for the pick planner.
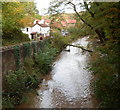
(13, 57)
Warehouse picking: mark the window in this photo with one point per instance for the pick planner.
(27, 29)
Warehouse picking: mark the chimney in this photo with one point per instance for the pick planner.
(36, 22)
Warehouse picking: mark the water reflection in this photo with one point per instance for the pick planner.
(69, 86)
(70, 82)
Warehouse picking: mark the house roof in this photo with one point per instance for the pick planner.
(42, 25)
(55, 24)
(63, 23)
(71, 21)
(48, 21)
(33, 32)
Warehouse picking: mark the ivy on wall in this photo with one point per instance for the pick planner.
(26, 50)
(34, 46)
(42, 44)
(17, 56)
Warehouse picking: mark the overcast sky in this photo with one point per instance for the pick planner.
(44, 4)
(41, 5)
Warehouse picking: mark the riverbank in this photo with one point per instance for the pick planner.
(26, 78)
(104, 66)
(31, 73)
(68, 84)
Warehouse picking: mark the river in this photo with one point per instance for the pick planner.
(68, 84)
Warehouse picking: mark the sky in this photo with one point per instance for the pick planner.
(41, 5)
(44, 4)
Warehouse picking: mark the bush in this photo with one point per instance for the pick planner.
(17, 83)
(14, 38)
(82, 30)
(28, 77)
(59, 41)
(44, 59)
(105, 69)
(29, 65)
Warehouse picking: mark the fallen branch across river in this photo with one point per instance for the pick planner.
(80, 47)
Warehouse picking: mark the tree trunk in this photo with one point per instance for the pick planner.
(99, 35)
(99, 32)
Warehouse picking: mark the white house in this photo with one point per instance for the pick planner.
(27, 30)
(40, 28)
(45, 29)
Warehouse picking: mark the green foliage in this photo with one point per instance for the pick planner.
(105, 63)
(16, 15)
(34, 45)
(17, 55)
(59, 41)
(28, 65)
(15, 38)
(45, 58)
(27, 50)
(105, 18)
(37, 16)
(17, 84)
(75, 33)
(27, 78)
(105, 68)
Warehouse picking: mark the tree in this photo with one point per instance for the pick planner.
(90, 8)
(16, 15)
(103, 18)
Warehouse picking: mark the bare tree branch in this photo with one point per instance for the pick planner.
(86, 7)
(80, 47)
(74, 7)
(98, 31)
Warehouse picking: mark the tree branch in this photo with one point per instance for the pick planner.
(98, 32)
(86, 7)
(80, 47)
(74, 7)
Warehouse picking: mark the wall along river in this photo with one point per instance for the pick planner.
(68, 85)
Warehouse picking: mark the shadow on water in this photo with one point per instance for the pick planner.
(68, 85)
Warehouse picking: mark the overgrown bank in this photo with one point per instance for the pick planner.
(26, 78)
(101, 22)
(104, 65)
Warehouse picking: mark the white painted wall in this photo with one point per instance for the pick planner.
(24, 30)
(45, 30)
(36, 28)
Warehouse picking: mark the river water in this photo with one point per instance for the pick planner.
(68, 85)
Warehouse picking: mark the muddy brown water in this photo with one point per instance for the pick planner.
(68, 84)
